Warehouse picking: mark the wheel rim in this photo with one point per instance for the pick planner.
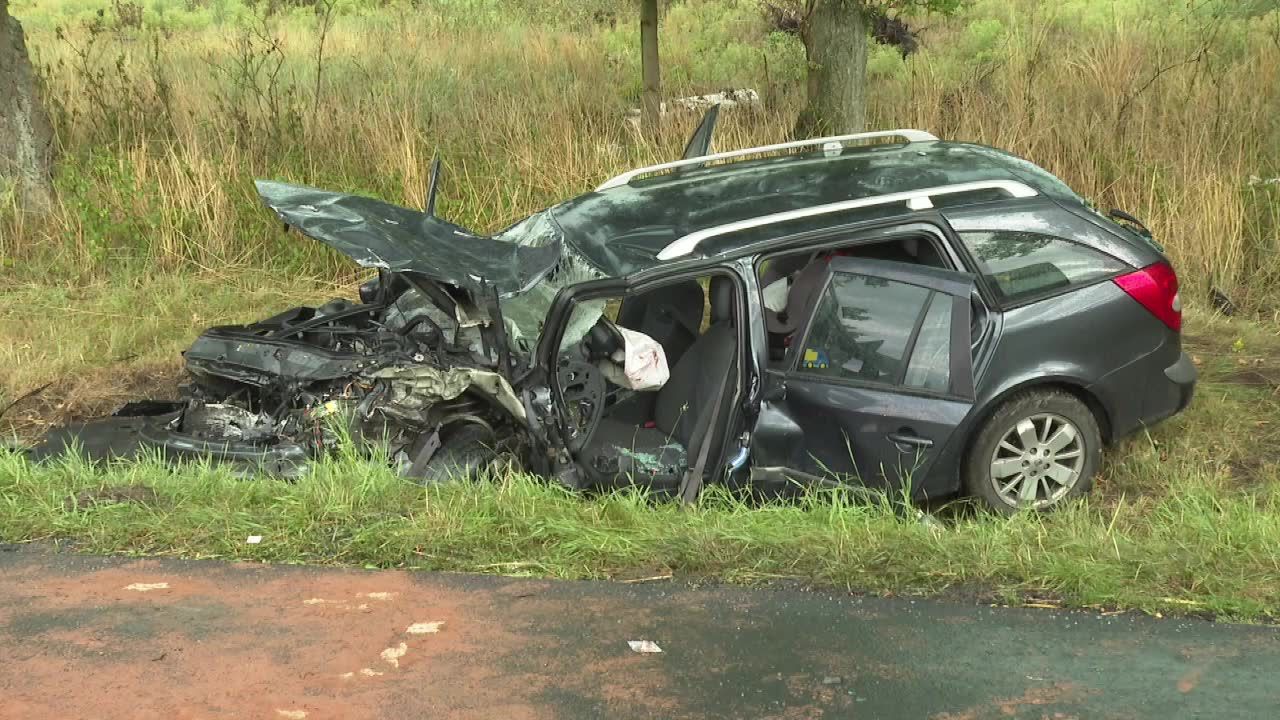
(1037, 461)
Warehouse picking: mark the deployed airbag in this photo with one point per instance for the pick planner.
(641, 364)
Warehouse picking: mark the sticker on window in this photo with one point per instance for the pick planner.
(815, 359)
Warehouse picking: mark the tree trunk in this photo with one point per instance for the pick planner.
(652, 100)
(26, 140)
(835, 45)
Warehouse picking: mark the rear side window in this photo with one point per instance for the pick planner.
(1022, 265)
(874, 330)
(861, 329)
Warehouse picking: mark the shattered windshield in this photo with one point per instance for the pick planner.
(524, 313)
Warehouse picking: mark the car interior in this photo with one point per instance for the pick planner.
(653, 436)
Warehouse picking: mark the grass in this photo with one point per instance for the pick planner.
(157, 234)
(1192, 548)
(1166, 113)
(1184, 519)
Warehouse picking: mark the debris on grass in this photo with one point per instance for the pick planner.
(651, 578)
(644, 646)
(112, 495)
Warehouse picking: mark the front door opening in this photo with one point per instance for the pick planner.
(653, 435)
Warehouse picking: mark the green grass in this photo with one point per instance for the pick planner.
(158, 234)
(160, 129)
(1183, 519)
(1191, 549)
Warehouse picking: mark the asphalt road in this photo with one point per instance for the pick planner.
(89, 637)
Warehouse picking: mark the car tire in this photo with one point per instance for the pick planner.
(466, 453)
(1038, 450)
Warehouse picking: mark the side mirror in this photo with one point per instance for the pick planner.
(775, 386)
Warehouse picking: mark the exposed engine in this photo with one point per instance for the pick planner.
(394, 371)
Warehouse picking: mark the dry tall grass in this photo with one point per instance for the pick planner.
(162, 133)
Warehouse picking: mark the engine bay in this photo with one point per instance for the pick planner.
(410, 359)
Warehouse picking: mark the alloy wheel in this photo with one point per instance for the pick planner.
(1037, 461)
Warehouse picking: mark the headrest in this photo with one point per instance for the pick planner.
(721, 299)
(682, 302)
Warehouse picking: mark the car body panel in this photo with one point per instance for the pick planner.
(1094, 337)
(844, 432)
(380, 235)
(885, 436)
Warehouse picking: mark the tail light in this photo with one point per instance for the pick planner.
(1155, 287)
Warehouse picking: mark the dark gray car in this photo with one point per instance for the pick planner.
(883, 309)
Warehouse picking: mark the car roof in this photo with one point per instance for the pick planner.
(622, 229)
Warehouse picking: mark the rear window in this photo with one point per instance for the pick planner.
(1022, 265)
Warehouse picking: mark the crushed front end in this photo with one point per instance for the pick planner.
(394, 371)
(424, 354)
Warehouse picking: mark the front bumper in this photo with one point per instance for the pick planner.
(144, 429)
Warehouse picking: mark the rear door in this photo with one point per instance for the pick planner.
(875, 381)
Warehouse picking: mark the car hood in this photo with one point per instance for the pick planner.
(380, 235)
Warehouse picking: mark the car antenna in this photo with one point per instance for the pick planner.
(700, 141)
(433, 185)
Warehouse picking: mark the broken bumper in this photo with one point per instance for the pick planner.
(143, 429)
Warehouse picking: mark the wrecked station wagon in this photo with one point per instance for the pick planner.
(882, 309)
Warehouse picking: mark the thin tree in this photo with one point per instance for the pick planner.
(651, 101)
(835, 33)
(26, 139)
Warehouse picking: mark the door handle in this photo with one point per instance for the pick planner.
(905, 439)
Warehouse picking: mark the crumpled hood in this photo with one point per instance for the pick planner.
(381, 235)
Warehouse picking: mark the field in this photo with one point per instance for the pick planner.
(166, 111)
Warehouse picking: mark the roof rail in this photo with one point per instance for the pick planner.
(914, 199)
(908, 135)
